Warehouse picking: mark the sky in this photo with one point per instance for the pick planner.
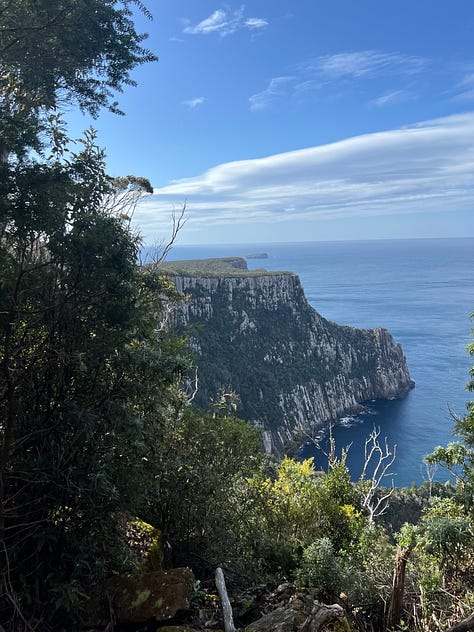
(304, 121)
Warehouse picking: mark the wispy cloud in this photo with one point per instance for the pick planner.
(192, 104)
(276, 87)
(392, 96)
(255, 23)
(424, 168)
(366, 63)
(225, 22)
(465, 89)
(327, 73)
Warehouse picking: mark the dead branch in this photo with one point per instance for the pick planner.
(195, 387)
(376, 505)
(226, 607)
(178, 220)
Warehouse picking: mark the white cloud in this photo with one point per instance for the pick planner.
(276, 87)
(427, 167)
(467, 89)
(366, 63)
(225, 22)
(327, 75)
(392, 96)
(468, 80)
(466, 96)
(255, 23)
(192, 104)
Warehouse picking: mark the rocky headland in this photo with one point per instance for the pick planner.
(255, 334)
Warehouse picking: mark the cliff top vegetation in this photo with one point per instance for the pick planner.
(216, 267)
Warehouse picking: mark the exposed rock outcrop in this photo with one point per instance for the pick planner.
(292, 369)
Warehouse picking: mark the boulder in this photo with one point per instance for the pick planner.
(155, 595)
(283, 619)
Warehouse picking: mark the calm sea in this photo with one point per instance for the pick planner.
(423, 292)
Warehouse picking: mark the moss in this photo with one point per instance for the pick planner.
(147, 541)
(342, 626)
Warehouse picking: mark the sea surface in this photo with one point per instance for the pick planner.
(422, 291)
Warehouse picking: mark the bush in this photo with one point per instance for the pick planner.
(320, 570)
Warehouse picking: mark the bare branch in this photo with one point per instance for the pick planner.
(374, 504)
(178, 222)
(195, 387)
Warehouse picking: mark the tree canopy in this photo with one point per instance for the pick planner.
(53, 52)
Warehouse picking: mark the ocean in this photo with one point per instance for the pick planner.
(422, 291)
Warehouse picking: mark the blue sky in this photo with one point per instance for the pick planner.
(311, 120)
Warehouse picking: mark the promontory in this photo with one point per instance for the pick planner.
(255, 334)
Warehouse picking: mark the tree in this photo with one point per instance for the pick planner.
(201, 501)
(457, 457)
(85, 367)
(79, 51)
(84, 373)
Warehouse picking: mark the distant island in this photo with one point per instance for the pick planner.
(258, 255)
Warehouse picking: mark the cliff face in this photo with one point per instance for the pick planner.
(292, 369)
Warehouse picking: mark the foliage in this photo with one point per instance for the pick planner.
(85, 366)
(320, 570)
(84, 377)
(299, 506)
(200, 500)
(67, 50)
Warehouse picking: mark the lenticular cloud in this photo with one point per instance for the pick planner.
(426, 167)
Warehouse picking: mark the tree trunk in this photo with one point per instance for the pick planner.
(398, 588)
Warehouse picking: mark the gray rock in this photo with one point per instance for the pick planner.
(283, 619)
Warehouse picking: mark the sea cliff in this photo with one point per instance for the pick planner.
(254, 333)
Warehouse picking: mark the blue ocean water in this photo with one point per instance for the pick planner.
(422, 290)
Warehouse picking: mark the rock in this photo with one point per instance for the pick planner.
(283, 592)
(176, 628)
(145, 541)
(322, 615)
(155, 595)
(283, 619)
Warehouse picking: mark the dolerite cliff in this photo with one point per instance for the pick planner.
(254, 333)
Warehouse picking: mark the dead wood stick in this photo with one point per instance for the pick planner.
(226, 607)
